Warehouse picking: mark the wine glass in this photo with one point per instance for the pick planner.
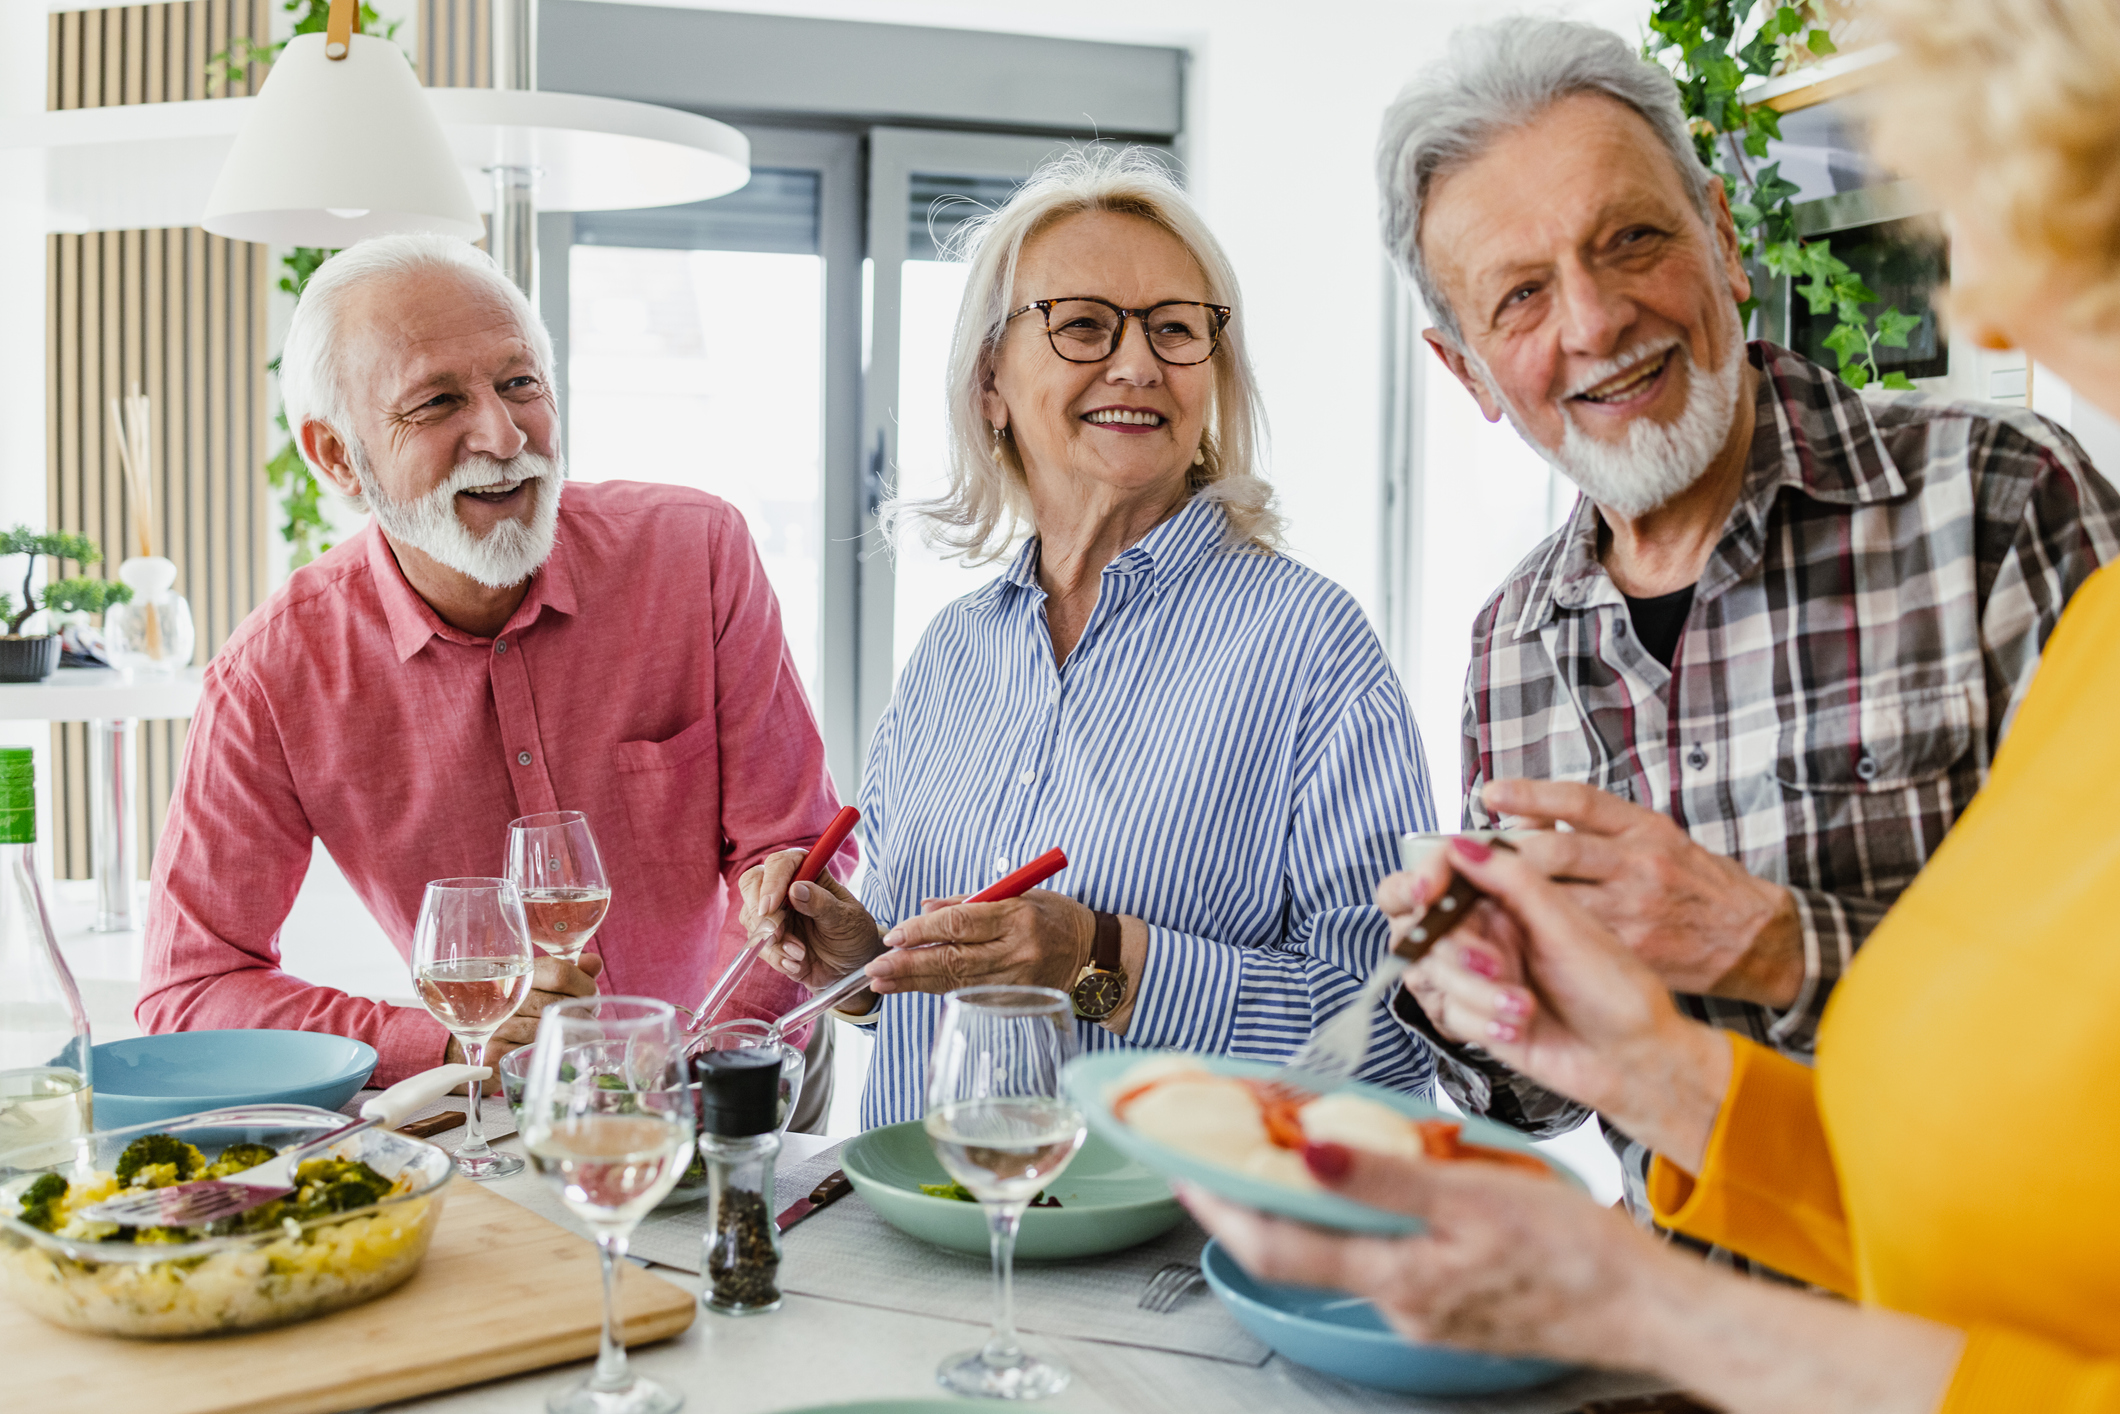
(607, 1117)
(553, 860)
(471, 961)
(1001, 1128)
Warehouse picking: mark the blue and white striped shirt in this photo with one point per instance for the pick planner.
(1226, 755)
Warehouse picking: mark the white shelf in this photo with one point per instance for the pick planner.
(100, 694)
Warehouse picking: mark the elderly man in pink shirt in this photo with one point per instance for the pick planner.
(494, 644)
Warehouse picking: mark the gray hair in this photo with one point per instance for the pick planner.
(988, 504)
(312, 372)
(1497, 78)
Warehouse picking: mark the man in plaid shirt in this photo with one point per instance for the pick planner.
(1765, 664)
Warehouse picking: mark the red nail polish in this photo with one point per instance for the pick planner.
(1474, 850)
(1477, 961)
(1328, 1163)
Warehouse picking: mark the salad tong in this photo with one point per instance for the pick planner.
(813, 864)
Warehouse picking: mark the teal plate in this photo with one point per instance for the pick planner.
(1108, 1202)
(1088, 1078)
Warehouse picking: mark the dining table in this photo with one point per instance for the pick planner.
(848, 1339)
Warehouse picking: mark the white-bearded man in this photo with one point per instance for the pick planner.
(496, 644)
(1766, 662)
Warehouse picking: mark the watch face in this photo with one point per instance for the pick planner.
(1097, 994)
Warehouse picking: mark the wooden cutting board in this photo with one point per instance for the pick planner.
(502, 1291)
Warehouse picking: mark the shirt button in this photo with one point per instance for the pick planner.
(1001, 862)
(522, 758)
(500, 645)
(1866, 766)
(1027, 778)
(1697, 759)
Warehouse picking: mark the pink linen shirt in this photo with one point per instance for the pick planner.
(643, 680)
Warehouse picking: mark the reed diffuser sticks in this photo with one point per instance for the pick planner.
(134, 456)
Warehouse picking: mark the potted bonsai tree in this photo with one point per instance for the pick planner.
(34, 657)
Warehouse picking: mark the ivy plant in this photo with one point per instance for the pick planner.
(1713, 48)
(302, 523)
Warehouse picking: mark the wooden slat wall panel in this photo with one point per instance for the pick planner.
(182, 314)
(453, 43)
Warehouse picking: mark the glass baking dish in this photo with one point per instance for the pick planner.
(245, 1281)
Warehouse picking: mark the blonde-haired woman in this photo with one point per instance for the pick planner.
(1949, 1164)
(1208, 729)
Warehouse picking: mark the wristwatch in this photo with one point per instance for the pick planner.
(1102, 985)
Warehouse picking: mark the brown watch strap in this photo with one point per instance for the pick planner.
(1104, 953)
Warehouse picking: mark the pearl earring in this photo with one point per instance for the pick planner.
(1200, 455)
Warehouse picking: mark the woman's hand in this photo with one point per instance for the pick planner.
(1517, 1265)
(826, 935)
(1541, 985)
(1510, 1263)
(1040, 938)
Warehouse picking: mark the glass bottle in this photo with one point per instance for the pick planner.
(44, 1042)
(739, 1137)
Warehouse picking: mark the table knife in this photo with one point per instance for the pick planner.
(835, 1187)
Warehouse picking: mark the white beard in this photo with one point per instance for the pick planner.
(1658, 461)
(507, 554)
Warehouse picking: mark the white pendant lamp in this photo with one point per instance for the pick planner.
(338, 148)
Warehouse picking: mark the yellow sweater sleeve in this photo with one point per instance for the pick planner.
(2008, 1372)
(1768, 1187)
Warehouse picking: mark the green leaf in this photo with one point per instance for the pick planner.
(1788, 19)
(1847, 341)
(1899, 382)
(1855, 375)
(1821, 43)
(1893, 328)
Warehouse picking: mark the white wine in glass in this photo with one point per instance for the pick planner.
(471, 962)
(555, 864)
(608, 1119)
(998, 1123)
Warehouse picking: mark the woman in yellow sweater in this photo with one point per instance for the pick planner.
(1952, 1163)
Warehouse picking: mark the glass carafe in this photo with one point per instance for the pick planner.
(44, 1042)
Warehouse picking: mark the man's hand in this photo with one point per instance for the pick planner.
(1041, 938)
(1699, 920)
(826, 935)
(552, 980)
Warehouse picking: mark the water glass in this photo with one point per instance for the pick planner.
(608, 1119)
(1001, 1128)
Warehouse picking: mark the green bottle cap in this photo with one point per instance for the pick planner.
(18, 795)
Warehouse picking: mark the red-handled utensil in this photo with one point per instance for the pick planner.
(813, 864)
(1029, 877)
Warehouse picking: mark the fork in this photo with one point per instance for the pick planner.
(1336, 1050)
(1168, 1287)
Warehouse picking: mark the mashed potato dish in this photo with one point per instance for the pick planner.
(1259, 1128)
(346, 1234)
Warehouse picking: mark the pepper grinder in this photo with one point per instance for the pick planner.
(739, 1135)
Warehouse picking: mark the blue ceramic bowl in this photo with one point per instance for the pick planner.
(160, 1077)
(1337, 1335)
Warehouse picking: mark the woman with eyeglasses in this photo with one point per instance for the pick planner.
(1208, 729)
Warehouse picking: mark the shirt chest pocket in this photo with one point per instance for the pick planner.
(1878, 782)
(672, 792)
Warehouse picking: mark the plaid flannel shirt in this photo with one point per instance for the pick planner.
(1858, 642)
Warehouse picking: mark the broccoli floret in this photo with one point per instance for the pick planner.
(40, 1202)
(335, 1186)
(158, 1152)
(238, 1157)
(167, 1236)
